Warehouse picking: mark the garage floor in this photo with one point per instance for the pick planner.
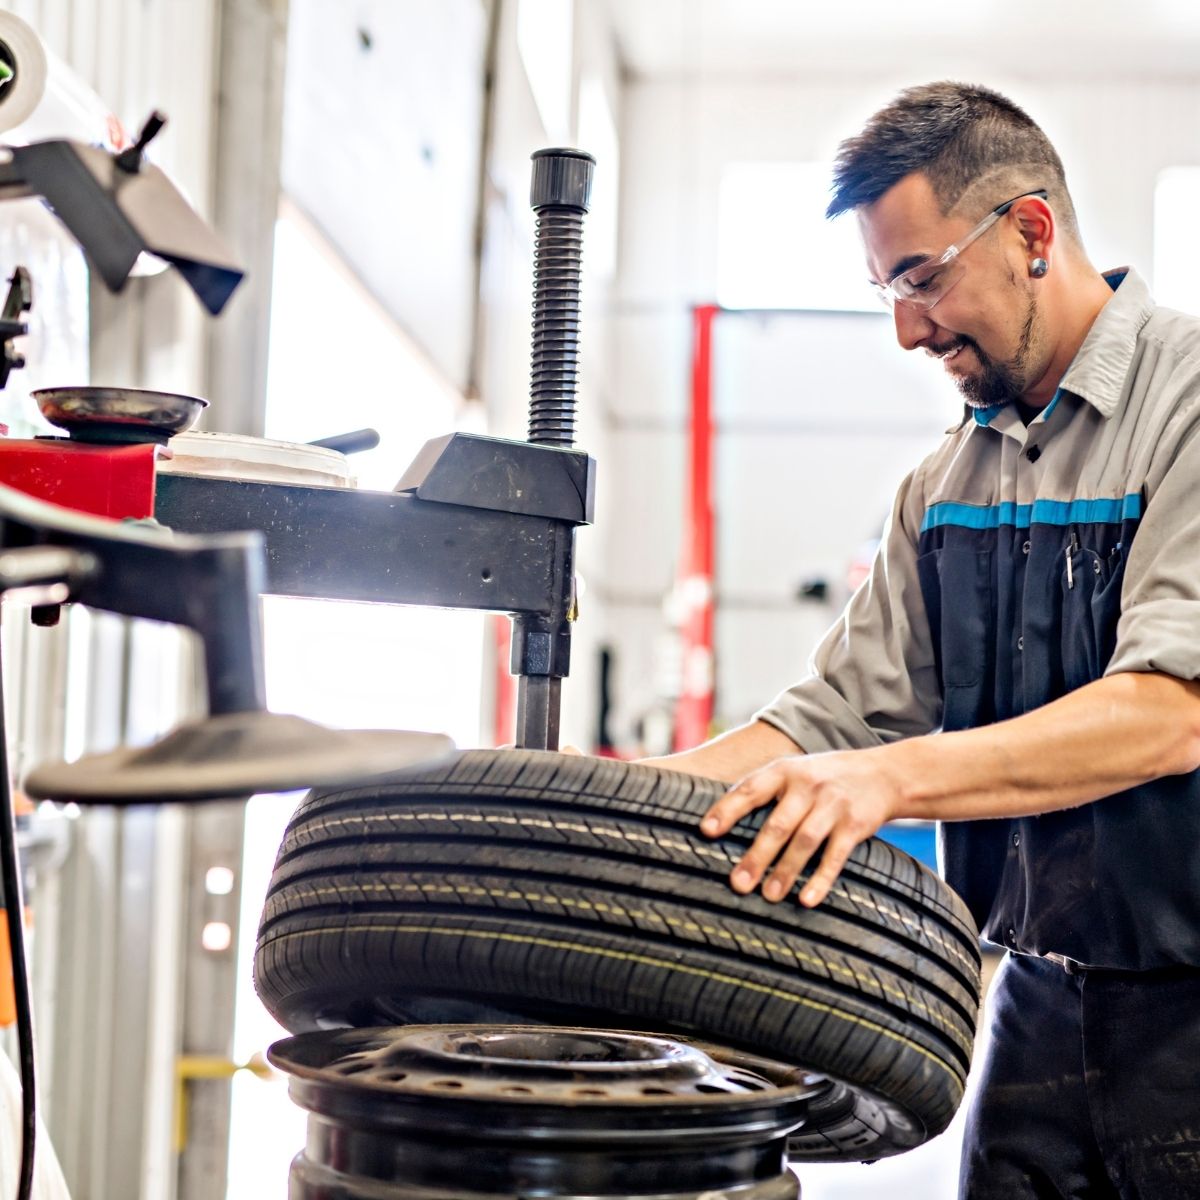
(927, 1173)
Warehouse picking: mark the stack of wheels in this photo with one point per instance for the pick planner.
(519, 886)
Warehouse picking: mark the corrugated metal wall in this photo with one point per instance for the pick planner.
(123, 987)
(139, 55)
(215, 68)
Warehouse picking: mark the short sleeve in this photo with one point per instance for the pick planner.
(1159, 626)
(872, 679)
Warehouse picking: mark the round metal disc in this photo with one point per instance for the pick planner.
(238, 754)
(598, 1084)
(112, 414)
(484, 1112)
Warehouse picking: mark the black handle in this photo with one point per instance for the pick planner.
(354, 442)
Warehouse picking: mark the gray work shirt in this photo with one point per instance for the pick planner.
(1018, 564)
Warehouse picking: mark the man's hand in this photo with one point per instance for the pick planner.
(839, 798)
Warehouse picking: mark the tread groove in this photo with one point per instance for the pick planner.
(829, 982)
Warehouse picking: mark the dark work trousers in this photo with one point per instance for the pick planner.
(1089, 1088)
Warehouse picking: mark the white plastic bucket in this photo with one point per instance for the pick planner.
(235, 456)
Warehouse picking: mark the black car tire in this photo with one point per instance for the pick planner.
(525, 885)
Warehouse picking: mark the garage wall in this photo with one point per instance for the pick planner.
(381, 151)
(120, 982)
(132, 54)
(820, 416)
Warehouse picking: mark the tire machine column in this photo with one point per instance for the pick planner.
(475, 522)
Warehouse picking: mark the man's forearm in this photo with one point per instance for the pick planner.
(731, 755)
(1113, 734)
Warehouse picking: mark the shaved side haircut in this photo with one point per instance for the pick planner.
(976, 147)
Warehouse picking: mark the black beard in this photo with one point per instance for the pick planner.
(998, 382)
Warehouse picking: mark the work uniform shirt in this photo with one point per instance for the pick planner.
(1022, 562)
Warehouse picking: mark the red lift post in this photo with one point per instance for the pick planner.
(697, 560)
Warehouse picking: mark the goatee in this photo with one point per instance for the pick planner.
(999, 382)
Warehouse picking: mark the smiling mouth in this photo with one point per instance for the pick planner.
(948, 356)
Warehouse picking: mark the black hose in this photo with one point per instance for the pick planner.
(14, 910)
(354, 442)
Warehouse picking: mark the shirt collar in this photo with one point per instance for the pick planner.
(1098, 371)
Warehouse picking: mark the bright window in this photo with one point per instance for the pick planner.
(544, 40)
(1176, 243)
(775, 248)
(598, 136)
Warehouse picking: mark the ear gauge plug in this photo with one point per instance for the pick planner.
(1038, 267)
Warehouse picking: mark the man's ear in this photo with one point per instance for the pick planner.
(1036, 224)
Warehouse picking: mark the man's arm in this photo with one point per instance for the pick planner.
(731, 755)
(1113, 734)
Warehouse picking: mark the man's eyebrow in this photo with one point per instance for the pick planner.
(906, 264)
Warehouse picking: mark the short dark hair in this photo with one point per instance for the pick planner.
(963, 138)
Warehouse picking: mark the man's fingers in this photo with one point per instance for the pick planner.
(753, 792)
(809, 834)
(776, 833)
(839, 848)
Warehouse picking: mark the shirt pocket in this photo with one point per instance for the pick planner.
(1091, 607)
(959, 594)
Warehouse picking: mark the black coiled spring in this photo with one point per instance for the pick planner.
(557, 279)
(559, 194)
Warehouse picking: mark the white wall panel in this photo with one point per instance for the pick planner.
(644, 471)
(794, 507)
(762, 652)
(381, 150)
(841, 371)
(651, 365)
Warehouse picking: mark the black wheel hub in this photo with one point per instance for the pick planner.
(491, 1111)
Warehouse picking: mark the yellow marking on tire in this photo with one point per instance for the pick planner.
(637, 915)
(622, 835)
(649, 961)
(838, 889)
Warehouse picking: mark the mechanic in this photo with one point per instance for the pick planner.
(1021, 663)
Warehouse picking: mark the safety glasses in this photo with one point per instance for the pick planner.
(924, 285)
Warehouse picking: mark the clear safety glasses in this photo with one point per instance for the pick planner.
(924, 285)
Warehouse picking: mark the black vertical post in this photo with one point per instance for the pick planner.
(559, 194)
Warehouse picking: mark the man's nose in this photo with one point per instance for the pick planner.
(913, 325)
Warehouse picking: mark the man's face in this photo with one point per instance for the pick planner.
(987, 329)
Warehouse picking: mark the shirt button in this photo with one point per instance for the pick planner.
(1096, 567)
(1020, 643)
(1033, 454)
(1011, 937)
(1016, 839)
(1025, 548)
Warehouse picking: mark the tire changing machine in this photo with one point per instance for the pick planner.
(464, 1112)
